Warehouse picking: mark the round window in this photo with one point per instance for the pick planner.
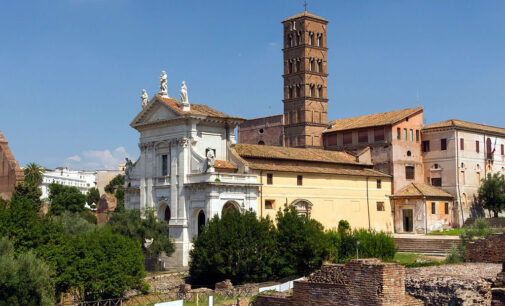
(409, 153)
(261, 131)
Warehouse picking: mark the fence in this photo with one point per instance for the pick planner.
(281, 288)
(151, 299)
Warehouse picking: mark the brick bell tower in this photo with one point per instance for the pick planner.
(305, 80)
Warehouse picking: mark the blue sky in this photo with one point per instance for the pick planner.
(72, 71)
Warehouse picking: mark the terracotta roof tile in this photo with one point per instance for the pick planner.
(422, 190)
(283, 153)
(308, 167)
(223, 164)
(466, 125)
(372, 120)
(305, 14)
(195, 109)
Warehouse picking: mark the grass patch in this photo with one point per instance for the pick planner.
(451, 232)
(409, 260)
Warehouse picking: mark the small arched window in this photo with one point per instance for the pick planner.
(290, 67)
(297, 91)
(320, 66)
(409, 153)
(311, 37)
(318, 43)
(320, 92)
(261, 143)
(290, 92)
(311, 90)
(298, 65)
(290, 41)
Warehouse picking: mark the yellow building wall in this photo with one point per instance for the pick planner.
(334, 197)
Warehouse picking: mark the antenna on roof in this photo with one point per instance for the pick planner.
(305, 5)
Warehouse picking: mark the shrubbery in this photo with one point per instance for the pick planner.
(480, 228)
(243, 248)
(236, 246)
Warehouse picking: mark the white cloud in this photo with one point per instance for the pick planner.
(97, 159)
(272, 44)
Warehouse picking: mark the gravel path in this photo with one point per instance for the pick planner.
(469, 271)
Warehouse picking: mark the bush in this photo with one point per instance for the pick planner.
(372, 244)
(301, 242)
(130, 224)
(343, 227)
(24, 280)
(237, 246)
(116, 187)
(74, 223)
(64, 198)
(480, 228)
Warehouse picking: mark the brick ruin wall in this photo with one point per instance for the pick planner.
(358, 282)
(266, 129)
(10, 172)
(491, 249)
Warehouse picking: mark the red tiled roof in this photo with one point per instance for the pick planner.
(305, 14)
(223, 164)
(372, 120)
(421, 190)
(195, 109)
(454, 123)
(285, 153)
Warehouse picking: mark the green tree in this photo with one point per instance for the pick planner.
(93, 196)
(24, 279)
(30, 192)
(238, 246)
(65, 198)
(492, 193)
(116, 187)
(301, 242)
(129, 223)
(33, 174)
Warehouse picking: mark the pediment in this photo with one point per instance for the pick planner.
(155, 111)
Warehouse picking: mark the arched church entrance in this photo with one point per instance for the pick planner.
(201, 221)
(303, 207)
(230, 206)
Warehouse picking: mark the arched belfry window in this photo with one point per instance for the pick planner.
(290, 92)
(298, 65)
(290, 41)
(299, 38)
(297, 91)
(311, 37)
(319, 37)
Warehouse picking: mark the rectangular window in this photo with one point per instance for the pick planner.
(411, 136)
(270, 178)
(363, 136)
(426, 146)
(348, 138)
(299, 180)
(398, 133)
(380, 206)
(477, 147)
(436, 181)
(269, 204)
(409, 172)
(164, 165)
(446, 208)
(461, 144)
(433, 208)
(405, 134)
(443, 144)
(378, 134)
(379, 184)
(417, 135)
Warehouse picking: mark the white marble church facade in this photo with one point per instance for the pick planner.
(183, 172)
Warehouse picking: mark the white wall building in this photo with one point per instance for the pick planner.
(82, 180)
(183, 172)
(458, 154)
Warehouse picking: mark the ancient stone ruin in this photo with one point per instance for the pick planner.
(358, 282)
(492, 250)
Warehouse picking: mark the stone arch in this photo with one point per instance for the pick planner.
(464, 201)
(303, 207)
(164, 212)
(230, 206)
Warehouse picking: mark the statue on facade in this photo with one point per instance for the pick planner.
(163, 84)
(144, 97)
(184, 93)
(128, 167)
(211, 158)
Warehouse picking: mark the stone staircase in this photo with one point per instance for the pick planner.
(427, 246)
